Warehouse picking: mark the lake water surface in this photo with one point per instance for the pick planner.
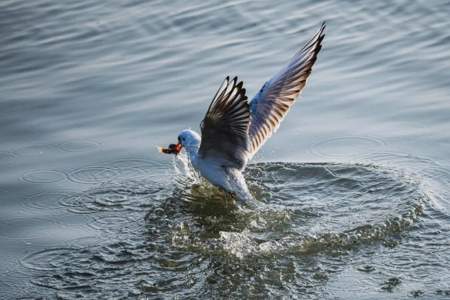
(356, 183)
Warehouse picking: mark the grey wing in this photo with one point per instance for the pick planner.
(273, 101)
(225, 126)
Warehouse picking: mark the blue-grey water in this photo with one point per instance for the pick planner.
(356, 183)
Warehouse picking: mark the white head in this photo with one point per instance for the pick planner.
(188, 139)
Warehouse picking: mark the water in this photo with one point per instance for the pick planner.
(355, 184)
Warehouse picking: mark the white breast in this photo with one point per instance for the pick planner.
(213, 172)
(231, 180)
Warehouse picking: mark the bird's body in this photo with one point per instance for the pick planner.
(229, 179)
(233, 129)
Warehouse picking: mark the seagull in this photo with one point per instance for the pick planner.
(233, 129)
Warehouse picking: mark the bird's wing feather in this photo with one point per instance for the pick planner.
(273, 101)
(225, 126)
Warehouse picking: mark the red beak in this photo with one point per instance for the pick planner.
(172, 149)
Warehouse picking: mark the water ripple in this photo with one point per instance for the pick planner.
(122, 169)
(46, 200)
(92, 174)
(44, 176)
(344, 146)
(161, 238)
(78, 145)
(5, 155)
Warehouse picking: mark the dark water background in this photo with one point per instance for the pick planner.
(359, 208)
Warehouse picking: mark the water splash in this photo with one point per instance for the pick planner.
(150, 229)
(184, 170)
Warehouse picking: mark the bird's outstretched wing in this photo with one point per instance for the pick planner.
(273, 101)
(225, 126)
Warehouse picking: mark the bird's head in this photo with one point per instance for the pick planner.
(187, 139)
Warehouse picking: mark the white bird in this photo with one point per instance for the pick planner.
(233, 130)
